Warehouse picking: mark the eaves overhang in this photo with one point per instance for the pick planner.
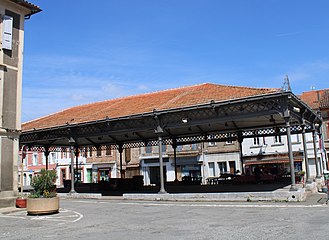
(33, 9)
(195, 123)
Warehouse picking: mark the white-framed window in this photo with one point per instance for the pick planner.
(309, 137)
(7, 32)
(52, 157)
(256, 141)
(222, 166)
(43, 159)
(25, 162)
(211, 144)
(211, 166)
(295, 138)
(35, 159)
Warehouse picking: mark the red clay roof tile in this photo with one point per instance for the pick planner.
(317, 99)
(145, 103)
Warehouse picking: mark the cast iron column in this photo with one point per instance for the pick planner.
(120, 155)
(318, 175)
(76, 163)
(323, 155)
(162, 189)
(46, 155)
(291, 158)
(72, 170)
(306, 157)
(240, 140)
(174, 145)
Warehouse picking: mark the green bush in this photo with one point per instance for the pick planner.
(44, 184)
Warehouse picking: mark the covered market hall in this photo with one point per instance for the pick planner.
(193, 114)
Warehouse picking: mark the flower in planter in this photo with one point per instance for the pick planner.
(44, 184)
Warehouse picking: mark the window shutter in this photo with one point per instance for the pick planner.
(7, 32)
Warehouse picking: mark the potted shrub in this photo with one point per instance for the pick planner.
(21, 201)
(43, 199)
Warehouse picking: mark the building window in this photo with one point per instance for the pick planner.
(43, 159)
(211, 166)
(108, 151)
(25, 162)
(277, 139)
(99, 152)
(52, 157)
(164, 148)
(211, 144)
(222, 167)
(148, 149)
(193, 147)
(35, 159)
(256, 141)
(295, 138)
(85, 152)
(90, 151)
(127, 155)
(7, 32)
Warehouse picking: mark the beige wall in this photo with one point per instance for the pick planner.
(11, 62)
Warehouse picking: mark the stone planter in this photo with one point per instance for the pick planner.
(20, 202)
(36, 206)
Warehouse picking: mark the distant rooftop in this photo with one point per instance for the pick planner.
(316, 99)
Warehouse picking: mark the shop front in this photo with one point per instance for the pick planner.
(103, 172)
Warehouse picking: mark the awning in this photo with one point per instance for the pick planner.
(271, 161)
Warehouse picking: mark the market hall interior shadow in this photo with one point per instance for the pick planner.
(118, 186)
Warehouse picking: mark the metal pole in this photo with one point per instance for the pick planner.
(162, 189)
(72, 170)
(306, 157)
(23, 152)
(175, 158)
(47, 156)
(76, 164)
(291, 158)
(318, 175)
(120, 155)
(240, 140)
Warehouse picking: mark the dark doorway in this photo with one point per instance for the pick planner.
(155, 175)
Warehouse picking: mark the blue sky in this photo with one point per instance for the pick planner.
(79, 52)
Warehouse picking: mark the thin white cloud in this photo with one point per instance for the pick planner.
(287, 34)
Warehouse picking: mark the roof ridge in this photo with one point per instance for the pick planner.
(171, 89)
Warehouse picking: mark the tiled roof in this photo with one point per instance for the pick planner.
(33, 8)
(317, 99)
(146, 103)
